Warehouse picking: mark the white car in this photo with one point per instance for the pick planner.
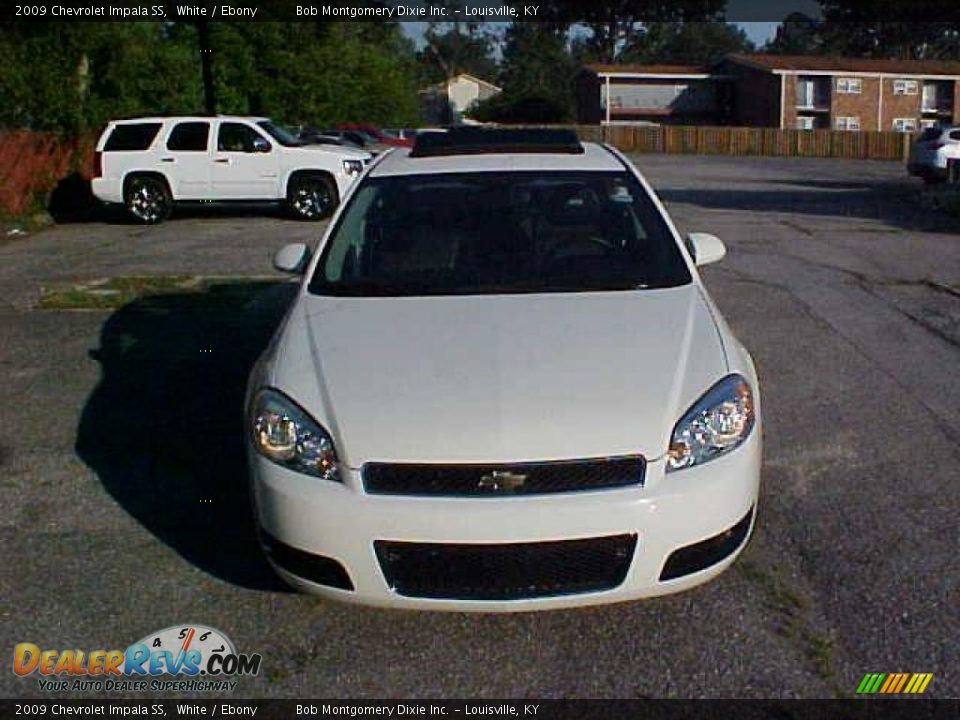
(935, 153)
(502, 386)
(148, 164)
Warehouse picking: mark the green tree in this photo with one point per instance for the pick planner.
(947, 46)
(316, 73)
(75, 76)
(618, 25)
(687, 43)
(798, 34)
(536, 64)
(885, 28)
(454, 48)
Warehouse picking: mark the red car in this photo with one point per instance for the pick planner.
(373, 134)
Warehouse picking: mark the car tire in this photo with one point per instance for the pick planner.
(311, 197)
(147, 199)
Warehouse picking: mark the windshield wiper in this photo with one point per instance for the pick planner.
(379, 289)
(375, 289)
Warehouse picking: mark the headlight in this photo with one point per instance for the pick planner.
(284, 433)
(716, 424)
(353, 167)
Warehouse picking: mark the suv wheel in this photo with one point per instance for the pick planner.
(148, 200)
(312, 197)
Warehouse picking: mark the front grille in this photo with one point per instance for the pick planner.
(537, 478)
(505, 571)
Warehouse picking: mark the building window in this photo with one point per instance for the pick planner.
(905, 124)
(805, 93)
(849, 86)
(928, 123)
(905, 87)
(805, 123)
(930, 101)
(847, 123)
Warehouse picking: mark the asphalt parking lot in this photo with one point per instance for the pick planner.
(121, 472)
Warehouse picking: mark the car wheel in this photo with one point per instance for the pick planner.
(148, 200)
(311, 198)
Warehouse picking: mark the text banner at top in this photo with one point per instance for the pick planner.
(419, 11)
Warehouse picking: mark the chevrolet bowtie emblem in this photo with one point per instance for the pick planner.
(502, 480)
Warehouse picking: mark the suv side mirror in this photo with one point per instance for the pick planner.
(292, 258)
(705, 248)
(259, 145)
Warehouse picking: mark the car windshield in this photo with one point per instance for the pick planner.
(492, 233)
(280, 133)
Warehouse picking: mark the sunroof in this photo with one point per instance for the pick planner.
(482, 141)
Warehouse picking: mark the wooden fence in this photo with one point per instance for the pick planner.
(675, 139)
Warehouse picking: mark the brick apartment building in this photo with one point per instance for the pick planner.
(780, 91)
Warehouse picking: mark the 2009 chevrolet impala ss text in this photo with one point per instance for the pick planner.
(502, 386)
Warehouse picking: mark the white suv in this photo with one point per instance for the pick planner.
(935, 153)
(147, 164)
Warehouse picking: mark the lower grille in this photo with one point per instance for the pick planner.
(505, 571)
(537, 478)
(701, 555)
(315, 568)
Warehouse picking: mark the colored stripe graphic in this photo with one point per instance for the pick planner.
(894, 683)
(923, 679)
(871, 683)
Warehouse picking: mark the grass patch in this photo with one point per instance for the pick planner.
(17, 227)
(792, 610)
(116, 292)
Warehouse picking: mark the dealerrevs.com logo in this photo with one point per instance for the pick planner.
(204, 655)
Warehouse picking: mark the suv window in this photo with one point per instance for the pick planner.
(494, 233)
(131, 136)
(236, 137)
(281, 134)
(189, 136)
(955, 135)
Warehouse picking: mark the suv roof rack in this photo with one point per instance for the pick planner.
(483, 141)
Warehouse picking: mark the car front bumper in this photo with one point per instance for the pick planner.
(306, 517)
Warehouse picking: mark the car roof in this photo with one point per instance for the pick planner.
(197, 118)
(594, 158)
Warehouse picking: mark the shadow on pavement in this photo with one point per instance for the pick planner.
(163, 430)
(72, 200)
(896, 204)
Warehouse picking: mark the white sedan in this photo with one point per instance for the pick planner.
(502, 386)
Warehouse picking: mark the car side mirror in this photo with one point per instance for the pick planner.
(259, 145)
(292, 258)
(705, 248)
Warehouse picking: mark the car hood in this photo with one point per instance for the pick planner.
(500, 378)
(347, 153)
